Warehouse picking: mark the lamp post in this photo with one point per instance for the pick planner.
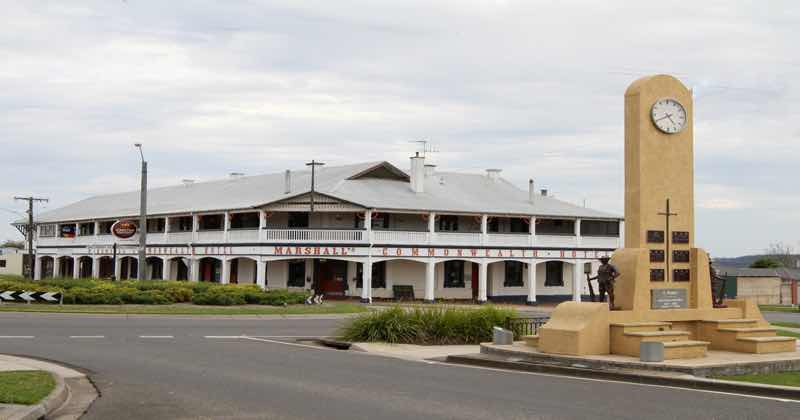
(142, 265)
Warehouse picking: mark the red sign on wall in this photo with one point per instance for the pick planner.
(123, 229)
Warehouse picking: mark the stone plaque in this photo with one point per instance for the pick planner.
(668, 299)
(680, 237)
(680, 256)
(656, 255)
(657, 274)
(680, 274)
(655, 236)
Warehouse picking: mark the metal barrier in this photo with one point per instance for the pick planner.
(522, 326)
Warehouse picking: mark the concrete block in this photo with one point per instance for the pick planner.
(502, 336)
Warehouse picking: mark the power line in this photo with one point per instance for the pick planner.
(30, 230)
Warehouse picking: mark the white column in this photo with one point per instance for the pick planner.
(226, 271)
(482, 271)
(368, 224)
(96, 267)
(430, 280)
(578, 238)
(484, 230)
(577, 273)
(96, 228)
(166, 231)
(166, 271)
(532, 228)
(57, 266)
(431, 227)
(76, 268)
(261, 274)
(226, 226)
(37, 271)
(262, 224)
(194, 269)
(195, 226)
(621, 241)
(117, 268)
(531, 282)
(366, 281)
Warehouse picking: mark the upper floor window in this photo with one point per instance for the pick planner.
(448, 223)
(47, 231)
(555, 227)
(517, 225)
(244, 221)
(212, 222)
(181, 224)
(298, 220)
(599, 228)
(105, 227)
(67, 231)
(86, 229)
(155, 225)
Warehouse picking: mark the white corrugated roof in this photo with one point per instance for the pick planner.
(444, 192)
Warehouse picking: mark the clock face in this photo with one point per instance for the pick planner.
(668, 115)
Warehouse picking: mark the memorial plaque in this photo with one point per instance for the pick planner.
(657, 274)
(655, 236)
(680, 256)
(668, 299)
(680, 237)
(656, 255)
(680, 274)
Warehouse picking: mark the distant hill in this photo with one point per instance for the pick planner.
(740, 262)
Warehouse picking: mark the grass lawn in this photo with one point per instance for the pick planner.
(778, 308)
(788, 334)
(190, 309)
(784, 379)
(786, 324)
(25, 386)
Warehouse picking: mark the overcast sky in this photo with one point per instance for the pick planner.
(533, 87)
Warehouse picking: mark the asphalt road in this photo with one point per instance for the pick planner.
(171, 368)
(782, 316)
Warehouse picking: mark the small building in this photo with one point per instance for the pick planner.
(766, 286)
(12, 261)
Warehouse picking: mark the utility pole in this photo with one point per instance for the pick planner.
(313, 164)
(31, 260)
(142, 264)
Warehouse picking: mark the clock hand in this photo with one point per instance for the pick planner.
(670, 119)
(665, 116)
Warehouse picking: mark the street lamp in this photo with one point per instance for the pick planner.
(142, 218)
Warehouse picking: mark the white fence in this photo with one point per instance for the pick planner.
(313, 235)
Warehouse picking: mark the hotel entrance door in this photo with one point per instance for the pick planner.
(330, 276)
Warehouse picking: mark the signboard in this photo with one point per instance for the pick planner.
(124, 229)
(668, 299)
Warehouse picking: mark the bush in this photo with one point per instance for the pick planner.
(221, 296)
(427, 326)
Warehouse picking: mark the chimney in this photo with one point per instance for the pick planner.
(429, 170)
(544, 192)
(531, 191)
(187, 182)
(287, 182)
(493, 174)
(417, 173)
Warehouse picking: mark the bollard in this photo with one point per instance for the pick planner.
(651, 351)
(502, 336)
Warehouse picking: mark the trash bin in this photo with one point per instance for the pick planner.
(651, 351)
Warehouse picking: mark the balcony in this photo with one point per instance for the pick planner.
(313, 235)
(400, 237)
(211, 236)
(600, 242)
(458, 238)
(243, 235)
(509, 239)
(557, 240)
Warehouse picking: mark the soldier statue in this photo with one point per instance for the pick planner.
(606, 276)
(717, 287)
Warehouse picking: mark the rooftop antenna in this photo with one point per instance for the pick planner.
(424, 147)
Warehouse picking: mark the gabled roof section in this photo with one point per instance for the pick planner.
(383, 170)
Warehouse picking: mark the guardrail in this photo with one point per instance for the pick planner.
(522, 326)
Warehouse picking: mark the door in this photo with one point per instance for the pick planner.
(331, 276)
(475, 280)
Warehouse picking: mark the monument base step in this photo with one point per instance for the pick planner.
(767, 344)
(531, 340)
(685, 349)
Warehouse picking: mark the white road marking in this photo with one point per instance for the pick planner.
(261, 336)
(223, 336)
(156, 336)
(87, 336)
(16, 336)
(308, 346)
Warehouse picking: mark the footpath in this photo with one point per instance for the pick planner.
(71, 397)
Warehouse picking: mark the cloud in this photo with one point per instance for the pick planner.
(532, 87)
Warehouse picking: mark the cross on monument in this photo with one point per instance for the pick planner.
(668, 257)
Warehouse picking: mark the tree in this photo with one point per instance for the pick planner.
(766, 262)
(13, 244)
(783, 253)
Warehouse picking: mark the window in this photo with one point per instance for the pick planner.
(555, 227)
(554, 274)
(2, 263)
(47, 231)
(155, 225)
(67, 231)
(211, 222)
(493, 224)
(244, 221)
(599, 228)
(378, 275)
(448, 223)
(381, 221)
(513, 274)
(297, 274)
(181, 224)
(517, 225)
(105, 227)
(86, 229)
(298, 220)
(454, 274)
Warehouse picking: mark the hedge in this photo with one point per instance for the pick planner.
(153, 292)
(427, 326)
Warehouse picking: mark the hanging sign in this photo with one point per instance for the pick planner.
(124, 229)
